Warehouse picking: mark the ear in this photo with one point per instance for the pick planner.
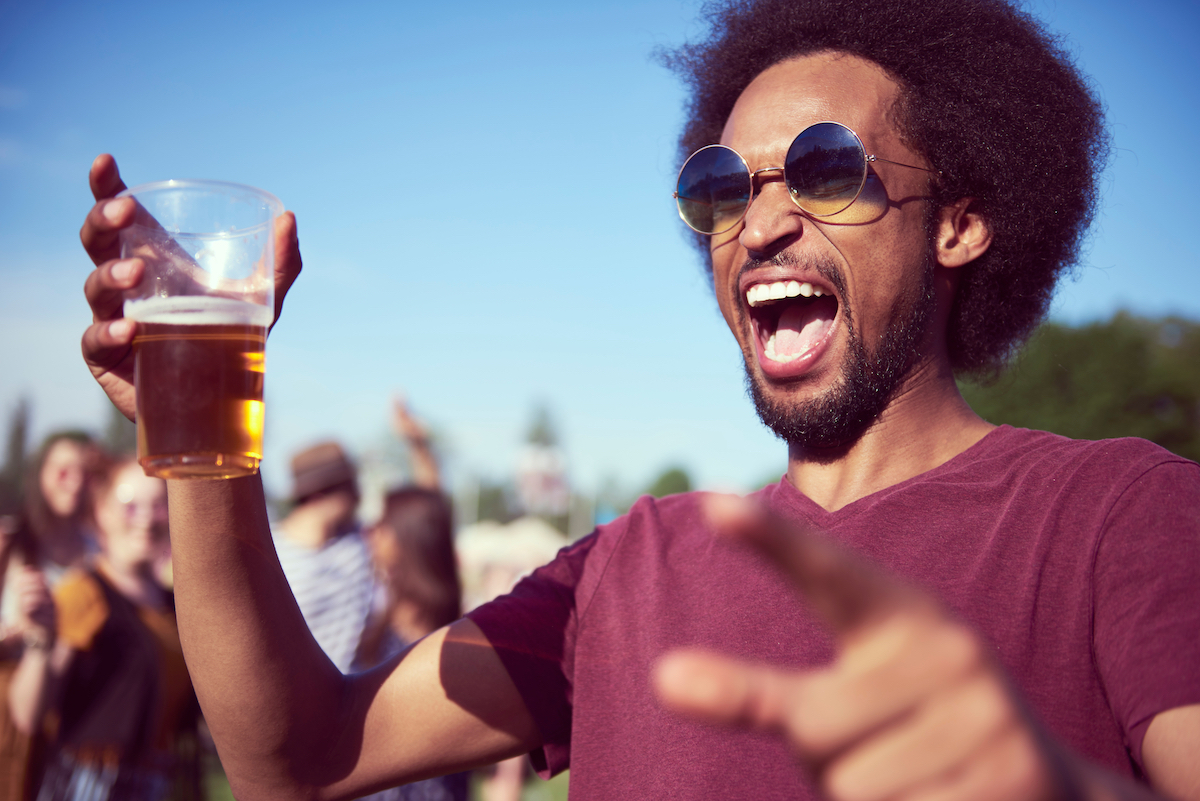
(963, 234)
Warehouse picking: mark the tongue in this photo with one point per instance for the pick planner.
(802, 324)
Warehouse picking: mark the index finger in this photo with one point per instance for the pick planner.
(846, 590)
(100, 233)
(105, 178)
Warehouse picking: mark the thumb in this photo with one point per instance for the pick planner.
(287, 258)
(718, 689)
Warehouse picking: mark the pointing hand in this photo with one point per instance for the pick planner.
(913, 707)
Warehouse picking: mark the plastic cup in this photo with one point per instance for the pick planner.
(203, 308)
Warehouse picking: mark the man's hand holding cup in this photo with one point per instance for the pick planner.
(163, 264)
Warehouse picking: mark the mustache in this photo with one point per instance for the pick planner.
(825, 267)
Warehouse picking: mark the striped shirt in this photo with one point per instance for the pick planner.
(333, 586)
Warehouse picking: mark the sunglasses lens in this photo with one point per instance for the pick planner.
(825, 168)
(713, 189)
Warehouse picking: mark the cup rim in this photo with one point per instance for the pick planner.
(275, 204)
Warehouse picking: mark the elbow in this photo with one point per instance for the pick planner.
(26, 721)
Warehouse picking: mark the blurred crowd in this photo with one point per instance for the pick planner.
(95, 698)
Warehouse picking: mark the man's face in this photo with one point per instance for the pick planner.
(824, 364)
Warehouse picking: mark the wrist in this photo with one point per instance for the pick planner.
(37, 638)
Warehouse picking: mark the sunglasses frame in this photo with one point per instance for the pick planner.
(868, 159)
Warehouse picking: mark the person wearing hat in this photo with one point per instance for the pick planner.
(322, 551)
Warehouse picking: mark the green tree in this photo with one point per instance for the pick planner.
(671, 481)
(1125, 377)
(12, 475)
(542, 431)
(496, 502)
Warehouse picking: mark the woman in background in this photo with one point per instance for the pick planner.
(52, 535)
(413, 550)
(54, 531)
(114, 678)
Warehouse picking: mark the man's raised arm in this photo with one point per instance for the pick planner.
(286, 723)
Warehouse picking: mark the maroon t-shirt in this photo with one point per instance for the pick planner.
(1079, 562)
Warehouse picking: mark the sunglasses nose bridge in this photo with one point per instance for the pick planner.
(769, 220)
(758, 178)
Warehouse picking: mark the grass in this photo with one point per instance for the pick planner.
(535, 789)
(217, 788)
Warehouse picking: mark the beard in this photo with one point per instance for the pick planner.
(868, 382)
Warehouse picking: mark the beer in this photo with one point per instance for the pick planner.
(199, 379)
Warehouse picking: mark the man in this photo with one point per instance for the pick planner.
(323, 554)
(915, 176)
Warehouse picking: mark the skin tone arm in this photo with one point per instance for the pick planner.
(7, 531)
(424, 465)
(1169, 750)
(35, 680)
(286, 723)
(914, 707)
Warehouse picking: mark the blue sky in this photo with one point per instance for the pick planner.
(483, 196)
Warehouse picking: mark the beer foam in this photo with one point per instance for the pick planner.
(197, 310)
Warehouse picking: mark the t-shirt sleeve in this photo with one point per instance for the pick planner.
(1147, 602)
(533, 631)
(81, 608)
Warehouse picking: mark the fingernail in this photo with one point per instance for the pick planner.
(113, 210)
(121, 329)
(123, 269)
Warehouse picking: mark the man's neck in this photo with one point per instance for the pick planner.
(924, 426)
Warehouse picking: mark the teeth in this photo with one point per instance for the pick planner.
(762, 293)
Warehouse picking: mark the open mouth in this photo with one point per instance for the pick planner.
(791, 318)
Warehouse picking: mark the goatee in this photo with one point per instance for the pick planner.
(868, 381)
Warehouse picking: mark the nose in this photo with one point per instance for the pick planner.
(773, 221)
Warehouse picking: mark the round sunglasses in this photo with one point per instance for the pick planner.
(825, 171)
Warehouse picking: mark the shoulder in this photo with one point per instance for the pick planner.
(1044, 444)
(660, 524)
(1132, 499)
(349, 556)
(1052, 462)
(665, 533)
(669, 512)
(682, 515)
(82, 608)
